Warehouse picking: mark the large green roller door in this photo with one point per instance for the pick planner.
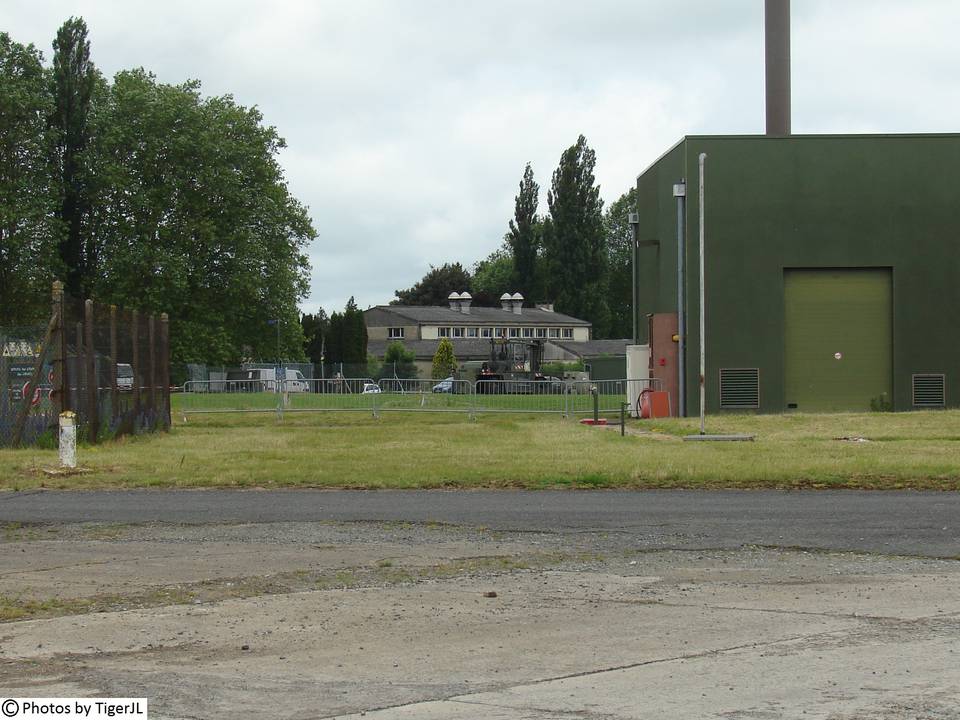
(838, 338)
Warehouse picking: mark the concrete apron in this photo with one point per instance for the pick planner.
(732, 634)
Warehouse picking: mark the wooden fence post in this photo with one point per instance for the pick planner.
(135, 362)
(61, 376)
(93, 382)
(114, 391)
(78, 356)
(165, 367)
(152, 344)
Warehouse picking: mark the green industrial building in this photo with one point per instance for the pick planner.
(832, 271)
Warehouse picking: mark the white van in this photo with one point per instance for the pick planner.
(296, 382)
(265, 380)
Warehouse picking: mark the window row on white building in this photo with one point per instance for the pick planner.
(396, 333)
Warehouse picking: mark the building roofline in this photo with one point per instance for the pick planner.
(794, 136)
(546, 318)
(662, 155)
(392, 308)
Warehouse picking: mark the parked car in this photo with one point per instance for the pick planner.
(124, 377)
(444, 386)
(370, 388)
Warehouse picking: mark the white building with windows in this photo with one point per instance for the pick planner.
(469, 328)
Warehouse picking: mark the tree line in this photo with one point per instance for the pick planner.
(147, 195)
(340, 338)
(577, 257)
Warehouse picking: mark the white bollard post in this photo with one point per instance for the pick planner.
(68, 439)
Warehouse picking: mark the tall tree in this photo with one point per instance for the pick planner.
(354, 334)
(150, 196)
(74, 77)
(193, 217)
(315, 329)
(574, 248)
(335, 339)
(524, 236)
(28, 197)
(436, 286)
(347, 337)
(492, 277)
(619, 237)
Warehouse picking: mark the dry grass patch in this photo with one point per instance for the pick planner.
(344, 450)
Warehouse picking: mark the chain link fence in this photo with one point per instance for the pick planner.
(108, 365)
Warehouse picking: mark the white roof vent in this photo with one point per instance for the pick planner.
(466, 296)
(517, 296)
(454, 296)
(506, 296)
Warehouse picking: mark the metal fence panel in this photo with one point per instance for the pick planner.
(426, 395)
(346, 394)
(611, 394)
(521, 396)
(210, 396)
(571, 398)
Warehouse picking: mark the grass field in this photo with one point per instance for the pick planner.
(406, 450)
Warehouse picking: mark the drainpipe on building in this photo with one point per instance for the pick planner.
(680, 193)
(703, 312)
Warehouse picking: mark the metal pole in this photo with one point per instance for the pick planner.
(680, 193)
(703, 312)
(634, 219)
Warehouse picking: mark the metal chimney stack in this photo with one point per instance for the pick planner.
(777, 33)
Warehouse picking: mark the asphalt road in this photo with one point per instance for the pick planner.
(895, 523)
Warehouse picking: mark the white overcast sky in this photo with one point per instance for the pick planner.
(409, 122)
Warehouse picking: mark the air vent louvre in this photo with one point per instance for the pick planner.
(739, 388)
(929, 390)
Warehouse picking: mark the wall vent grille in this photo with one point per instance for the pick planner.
(739, 388)
(929, 390)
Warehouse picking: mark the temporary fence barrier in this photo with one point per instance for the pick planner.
(521, 396)
(425, 395)
(332, 394)
(567, 398)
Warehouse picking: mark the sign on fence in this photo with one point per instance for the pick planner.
(72, 363)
